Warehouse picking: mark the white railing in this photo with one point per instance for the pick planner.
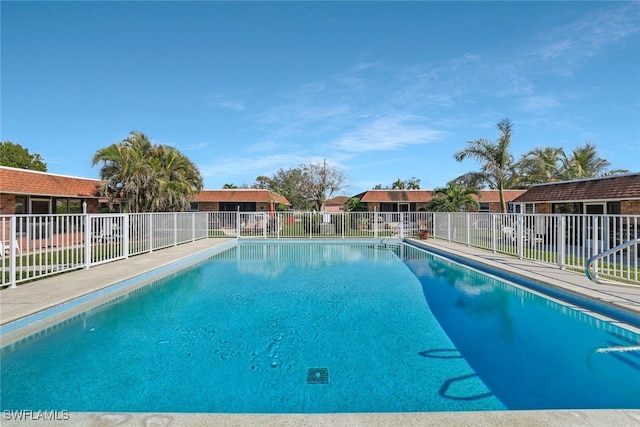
(613, 262)
(567, 241)
(35, 246)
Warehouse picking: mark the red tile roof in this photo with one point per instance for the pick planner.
(396, 196)
(22, 181)
(239, 195)
(615, 187)
(494, 195)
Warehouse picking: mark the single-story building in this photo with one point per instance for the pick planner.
(417, 200)
(616, 194)
(25, 191)
(336, 204)
(31, 192)
(232, 200)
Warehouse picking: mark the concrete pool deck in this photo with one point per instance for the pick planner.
(34, 297)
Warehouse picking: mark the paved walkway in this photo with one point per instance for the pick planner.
(34, 297)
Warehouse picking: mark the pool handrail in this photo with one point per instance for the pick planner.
(590, 271)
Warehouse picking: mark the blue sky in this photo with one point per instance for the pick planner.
(381, 90)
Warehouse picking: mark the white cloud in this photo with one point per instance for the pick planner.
(386, 133)
(539, 103)
(565, 47)
(219, 101)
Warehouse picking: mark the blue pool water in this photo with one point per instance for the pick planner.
(325, 328)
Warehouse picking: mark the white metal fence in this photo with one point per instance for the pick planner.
(35, 246)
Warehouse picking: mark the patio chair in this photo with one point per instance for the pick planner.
(5, 247)
(509, 234)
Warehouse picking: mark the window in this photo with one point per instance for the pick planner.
(484, 207)
(195, 207)
(20, 204)
(242, 206)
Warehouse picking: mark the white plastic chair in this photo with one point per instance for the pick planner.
(5, 247)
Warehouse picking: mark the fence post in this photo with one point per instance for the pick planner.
(87, 241)
(175, 229)
(193, 226)
(468, 229)
(238, 223)
(12, 252)
(125, 235)
(494, 240)
(520, 234)
(265, 223)
(448, 227)
(150, 232)
(375, 224)
(560, 238)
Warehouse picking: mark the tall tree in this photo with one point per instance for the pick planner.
(497, 169)
(143, 177)
(306, 187)
(319, 182)
(585, 162)
(262, 182)
(549, 164)
(453, 198)
(410, 184)
(16, 156)
(179, 180)
(542, 165)
(398, 185)
(287, 184)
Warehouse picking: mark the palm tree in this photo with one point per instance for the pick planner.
(542, 165)
(497, 170)
(585, 163)
(144, 177)
(178, 177)
(398, 185)
(453, 198)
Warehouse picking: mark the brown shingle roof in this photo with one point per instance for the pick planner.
(239, 195)
(615, 187)
(338, 200)
(23, 181)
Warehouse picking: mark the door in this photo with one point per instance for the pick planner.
(595, 226)
(403, 208)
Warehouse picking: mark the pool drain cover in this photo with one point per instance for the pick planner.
(318, 376)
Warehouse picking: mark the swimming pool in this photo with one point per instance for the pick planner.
(308, 327)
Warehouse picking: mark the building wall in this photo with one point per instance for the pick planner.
(215, 206)
(543, 208)
(7, 204)
(208, 206)
(630, 207)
